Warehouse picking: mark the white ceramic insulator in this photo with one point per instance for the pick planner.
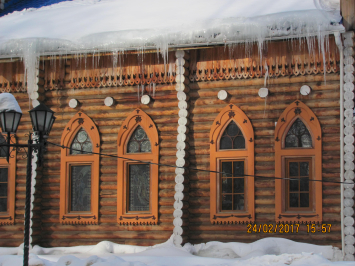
(182, 96)
(183, 113)
(180, 162)
(179, 187)
(109, 101)
(348, 211)
(181, 137)
(177, 222)
(179, 178)
(177, 240)
(183, 121)
(182, 105)
(183, 129)
(73, 103)
(35, 103)
(177, 213)
(349, 240)
(348, 203)
(222, 95)
(263, 92)
(305, 90)
(349, 230)
(177, 230)
(181, 145)
(178, 205)
(349, 193)
(179, 196)
(145, 99)
(179, 171)
(348, 221)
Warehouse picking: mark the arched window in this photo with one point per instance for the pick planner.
(7, 183)
(298, 160)
(232, 167)
(79, 173)
(137, 181)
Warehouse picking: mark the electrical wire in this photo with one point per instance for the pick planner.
(194, 169)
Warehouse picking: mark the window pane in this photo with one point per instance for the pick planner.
(293, 169)
(226, 202)
(226, 143)
(304, 169)
(80, 188)
(238, 185)
(294, 200)
(3, 204)
(81, 143)
(227, 169)
(3, 189)
(304, 186)
(232, 137)
(304, 199)
(227, 185)
(139, 187)
(298, 135)
(293, 185)
(139, 142)
(238, 168)
(3, 174)
(3, 150)
(238, 202)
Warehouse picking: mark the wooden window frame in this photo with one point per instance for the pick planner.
(125, 217)
(299, 110)
(229, 113)
(8, 217)
(80, 120)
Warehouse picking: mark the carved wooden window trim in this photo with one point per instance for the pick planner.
(125, 217)
(8, 217)
(313, 214)
(80, 120)
(228, 114)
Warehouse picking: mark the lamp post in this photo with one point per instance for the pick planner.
(42, 119)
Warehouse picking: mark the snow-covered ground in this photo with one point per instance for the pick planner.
(267, 251)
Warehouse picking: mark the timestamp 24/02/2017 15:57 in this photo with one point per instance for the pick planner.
(288, 228)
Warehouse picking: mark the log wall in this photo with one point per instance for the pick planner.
(163, 111)
(263, 113)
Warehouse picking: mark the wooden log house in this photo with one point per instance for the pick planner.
(229, 163)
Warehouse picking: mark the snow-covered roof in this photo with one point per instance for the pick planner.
(127, 24)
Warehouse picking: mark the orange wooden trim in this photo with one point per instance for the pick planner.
(137, 118)
(229, 113)
(296, 110)
(80, 120)
(8, 218)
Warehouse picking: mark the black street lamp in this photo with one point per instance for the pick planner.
(42, 119)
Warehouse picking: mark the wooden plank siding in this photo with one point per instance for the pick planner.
(263, 113)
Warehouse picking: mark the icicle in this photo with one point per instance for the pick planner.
(138, 92)
(153, 89)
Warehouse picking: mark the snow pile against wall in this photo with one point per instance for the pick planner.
(8, 102)
(268, 251)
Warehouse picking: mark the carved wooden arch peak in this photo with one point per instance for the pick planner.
(135, 119)
(69, 161)
(224, 118)
(218, 215)
(284, 155)
(295, 110)
(78, 121)
(125, 215)
(8, 217)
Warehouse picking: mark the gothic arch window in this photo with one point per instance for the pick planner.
(137, 181)
(79, 173)
(7, 183)
(298, 160)
(232, 167)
